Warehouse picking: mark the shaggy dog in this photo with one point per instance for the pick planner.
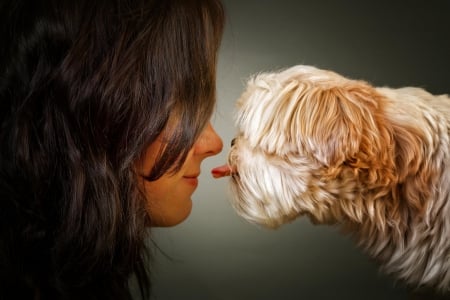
(340, 151)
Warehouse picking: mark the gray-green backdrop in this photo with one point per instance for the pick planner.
(216, 255)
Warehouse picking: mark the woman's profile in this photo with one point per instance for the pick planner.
(104, 122)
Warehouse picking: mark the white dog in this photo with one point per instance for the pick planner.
(374, 160)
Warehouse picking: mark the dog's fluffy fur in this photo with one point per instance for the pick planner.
(374, 160)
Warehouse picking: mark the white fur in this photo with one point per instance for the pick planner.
(373, 160)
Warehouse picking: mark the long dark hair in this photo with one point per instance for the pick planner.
(85, 87)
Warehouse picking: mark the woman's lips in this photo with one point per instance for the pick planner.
(191, 180)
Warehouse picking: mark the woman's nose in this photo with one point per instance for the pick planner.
(209, 143)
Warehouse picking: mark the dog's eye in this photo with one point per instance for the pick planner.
(233, 141)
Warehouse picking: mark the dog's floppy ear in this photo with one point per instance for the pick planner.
(345, 125)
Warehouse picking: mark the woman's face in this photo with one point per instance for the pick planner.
(169, 197)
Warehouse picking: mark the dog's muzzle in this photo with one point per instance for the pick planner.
(224, 170)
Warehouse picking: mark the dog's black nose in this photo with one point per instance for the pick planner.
(232, 142)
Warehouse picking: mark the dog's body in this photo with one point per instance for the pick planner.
(374, 160)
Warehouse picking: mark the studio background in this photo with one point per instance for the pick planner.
(215, 255)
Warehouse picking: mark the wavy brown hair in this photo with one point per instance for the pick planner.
(85, 87)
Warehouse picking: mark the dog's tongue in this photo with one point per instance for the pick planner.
(221, 171)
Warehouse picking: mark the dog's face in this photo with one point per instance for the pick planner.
(306, 139)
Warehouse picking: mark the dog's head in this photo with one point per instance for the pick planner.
(306, 139)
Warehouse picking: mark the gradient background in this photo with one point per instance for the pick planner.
(216, 255)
